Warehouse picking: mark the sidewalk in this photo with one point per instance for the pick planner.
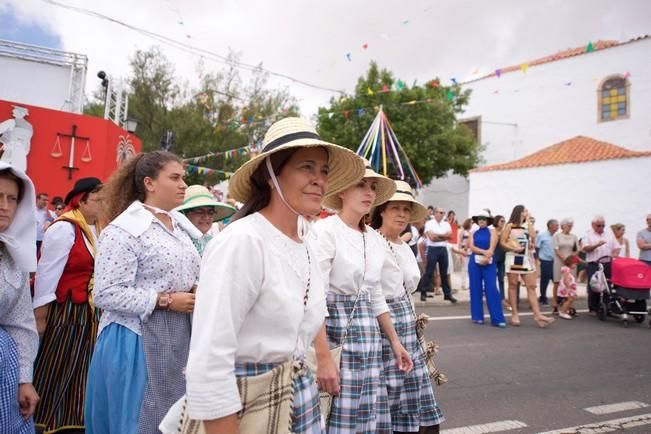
(463, 296)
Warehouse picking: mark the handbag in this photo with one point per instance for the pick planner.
(428, 348)
(310, 356)
(483, 260)
(267, 399)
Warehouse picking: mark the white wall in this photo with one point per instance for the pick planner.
(534, 110)
(547, 111)
(450, 193)
(619, 190)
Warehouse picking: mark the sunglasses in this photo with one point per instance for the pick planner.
(482, 218)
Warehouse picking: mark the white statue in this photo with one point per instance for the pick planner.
(16, 136)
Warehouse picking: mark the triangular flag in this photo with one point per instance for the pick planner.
(346, 114)
(498, 72)
(400, 85)
(454, 81)
(524, 67)
(385, 88)
(369, 91)
(627, 74)
(365, 46)
(434, 83)
(360, 112)
(589, 48)
(450, 95)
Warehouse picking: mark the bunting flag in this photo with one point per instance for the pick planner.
(190, 168)
(524, 67)
(381, 147)
(498, 72)
(244, 150)
(369, 91)
(589, 48)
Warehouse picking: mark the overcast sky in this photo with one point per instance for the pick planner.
(416, 39)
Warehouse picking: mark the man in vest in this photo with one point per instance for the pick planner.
(65, 316)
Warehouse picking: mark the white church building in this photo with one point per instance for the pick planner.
(567, 135)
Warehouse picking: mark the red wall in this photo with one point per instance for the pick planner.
(47, 171)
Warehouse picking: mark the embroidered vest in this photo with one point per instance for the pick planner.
(77, 273)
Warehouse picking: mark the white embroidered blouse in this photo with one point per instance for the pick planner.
(395, 273)
(249, 308)
(340, 253)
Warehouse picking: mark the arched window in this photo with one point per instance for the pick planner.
(614, 99)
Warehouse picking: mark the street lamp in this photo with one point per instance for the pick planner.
(130, 125)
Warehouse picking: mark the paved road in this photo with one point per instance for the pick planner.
(540, 379)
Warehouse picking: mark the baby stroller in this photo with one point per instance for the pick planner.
(624, 295)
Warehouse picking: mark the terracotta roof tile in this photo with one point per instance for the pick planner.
(579, 149)
(564, 54)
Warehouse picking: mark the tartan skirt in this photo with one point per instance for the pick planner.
(10, 419)
(306, 417)
(362, 405)
(61, 367)
(411, 396)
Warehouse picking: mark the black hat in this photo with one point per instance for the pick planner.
(82, 185)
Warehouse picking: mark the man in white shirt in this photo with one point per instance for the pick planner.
(437, 231)
(598, 245)
(43, 218)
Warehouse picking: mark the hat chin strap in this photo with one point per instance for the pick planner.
(302, 225)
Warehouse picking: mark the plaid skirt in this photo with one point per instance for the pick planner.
(411, 396)
(306, 418)
(362, 405)
(10, 419)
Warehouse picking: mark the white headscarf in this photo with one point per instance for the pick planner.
(20, 237)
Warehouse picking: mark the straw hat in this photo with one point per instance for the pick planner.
(404, 194)
(483, 213)
(197, 196)
(385, 189)
(346, 167)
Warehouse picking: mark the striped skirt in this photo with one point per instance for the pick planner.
(362, 405)
(411, 396)
(10, 419)
(306, 417)
(62, 364)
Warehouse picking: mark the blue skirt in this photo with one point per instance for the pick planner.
(306, 418)
(411, 396)
(10, 419)
(116, 382)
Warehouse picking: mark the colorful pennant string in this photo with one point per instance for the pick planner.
(244, 150)
(381, 147)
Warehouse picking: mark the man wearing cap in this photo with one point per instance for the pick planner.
(437, 231)
(65, 316)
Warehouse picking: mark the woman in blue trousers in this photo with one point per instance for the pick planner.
(482, 272)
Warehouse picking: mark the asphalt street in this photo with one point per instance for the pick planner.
(543, 379)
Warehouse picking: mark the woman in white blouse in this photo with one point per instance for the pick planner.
(18, 337)
(411, 396)
(145, 271)
(347, 253)
(260, 299)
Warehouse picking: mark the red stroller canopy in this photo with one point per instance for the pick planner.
(631, 273)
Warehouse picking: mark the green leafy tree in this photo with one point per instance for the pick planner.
(423, 118)
(221, 114)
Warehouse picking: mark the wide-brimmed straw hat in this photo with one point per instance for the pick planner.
(199, 196)
(483, 213)
(384, 190)
(404, 194)
(346, 167)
